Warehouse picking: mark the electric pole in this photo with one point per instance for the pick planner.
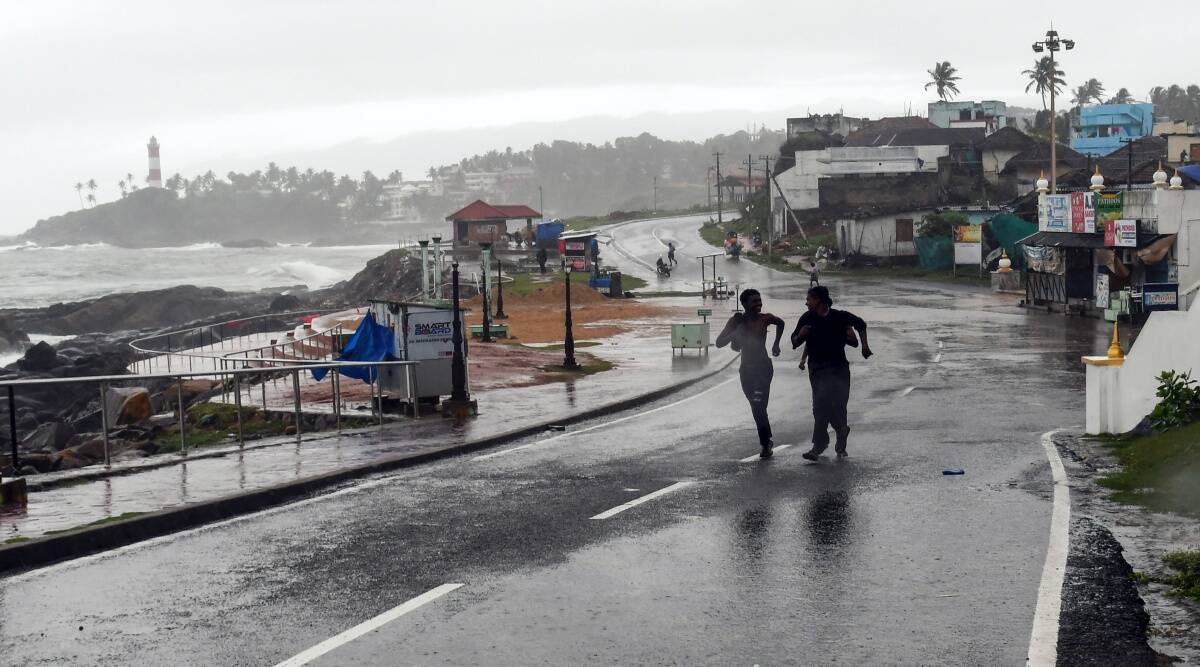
(718, 156)
(770, 209)
(749, 177)
(656, 194)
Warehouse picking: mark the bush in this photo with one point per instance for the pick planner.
(942, 224)
(1179, 401)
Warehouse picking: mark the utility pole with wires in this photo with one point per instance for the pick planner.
(719, 207)
(770, 213)
(749, 177)
(656, 194)
(1129, 168)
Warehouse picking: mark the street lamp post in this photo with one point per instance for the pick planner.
(499, 293)
(486, 251)
(1053, 43)
(459, 405)
(568, 340)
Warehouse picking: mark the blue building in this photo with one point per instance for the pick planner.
(1101, 127)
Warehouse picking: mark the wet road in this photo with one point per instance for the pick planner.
(637, 245)
(649, 537)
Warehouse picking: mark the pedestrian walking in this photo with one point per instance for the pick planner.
(826, 332)
(814, 274)
(671, 253)
(541, 259)
(747, 332)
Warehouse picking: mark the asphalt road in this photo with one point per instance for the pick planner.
(529, 553)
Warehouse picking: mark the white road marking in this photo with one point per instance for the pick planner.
(367, 626)
(1043, 641)
(163, 539)
(484, 457)
(638, 501)
(756, 457)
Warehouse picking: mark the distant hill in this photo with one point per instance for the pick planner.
(154, 217)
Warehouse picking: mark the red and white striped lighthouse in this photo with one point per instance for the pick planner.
(154, 180)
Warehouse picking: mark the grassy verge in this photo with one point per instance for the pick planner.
(716, 236)
(1185, 578)
(1160, 472)
(578, 343)
(524, 284)
(592, 367)
(220, 428)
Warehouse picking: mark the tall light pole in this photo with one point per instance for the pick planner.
(541, 203)
(1053, 43)
(569, 336)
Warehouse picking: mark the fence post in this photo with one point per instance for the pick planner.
(104, 421)
(12, 431)
(182, 417)
(237, 404)
(296, 395)
(411, 380)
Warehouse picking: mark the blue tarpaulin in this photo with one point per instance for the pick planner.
(371, 342)
(1192, 171)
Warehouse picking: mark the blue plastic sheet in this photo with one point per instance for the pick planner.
(371, 342)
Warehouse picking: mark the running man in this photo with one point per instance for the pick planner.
(748, 333)
(826, 332)
(671, 253)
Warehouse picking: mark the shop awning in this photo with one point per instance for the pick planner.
(1083, 241)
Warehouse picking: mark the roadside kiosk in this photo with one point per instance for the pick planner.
(580, 250)
(693, 335)
(424, 333)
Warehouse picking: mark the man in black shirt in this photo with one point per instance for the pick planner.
(748, 333)
(827, 332)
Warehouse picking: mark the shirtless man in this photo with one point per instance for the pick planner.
(748, 333)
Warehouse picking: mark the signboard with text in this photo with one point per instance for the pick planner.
(1126, 231)
(1102, 298)
(1160, 296)
(1083, 214)
(1108, 206)
(1110, 233)
(1056, 213)
(430, 335)
(967, 248)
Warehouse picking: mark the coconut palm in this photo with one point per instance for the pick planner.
(943, 77)
(91, 186)
(1123, 96)
(91, 199)
(1044, 77)
(124, 189)
(79, 192)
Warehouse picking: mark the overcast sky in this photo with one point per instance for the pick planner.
(84, 84)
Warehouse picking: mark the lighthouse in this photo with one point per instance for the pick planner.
(154, 180)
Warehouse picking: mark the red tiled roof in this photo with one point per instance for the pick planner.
(518, 211)
(481, 210)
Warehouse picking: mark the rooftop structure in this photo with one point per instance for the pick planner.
(991, 115)
(1103, 127)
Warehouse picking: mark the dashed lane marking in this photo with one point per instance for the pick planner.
(756, 457)
(638, 501)
(367, 626)
(1043, 641)
(519, 448)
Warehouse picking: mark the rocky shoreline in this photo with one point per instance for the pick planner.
(59, 425)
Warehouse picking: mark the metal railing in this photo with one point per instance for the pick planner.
(293, 370)
(203, 346)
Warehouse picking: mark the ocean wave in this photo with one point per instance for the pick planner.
(299, 271)
(24, 246)
(194, 246)
(307, 244)
(77, 246)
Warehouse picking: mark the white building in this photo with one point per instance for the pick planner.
(400, 199)
(888, 235)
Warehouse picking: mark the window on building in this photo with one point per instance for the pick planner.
(964, 114)
(904, 230)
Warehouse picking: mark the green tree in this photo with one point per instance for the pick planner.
(91, 186)
(79, 192)
(1044, 77)
(941, 224)
(1123, 96)
(944, 78)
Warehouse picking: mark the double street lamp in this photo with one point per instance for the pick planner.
(1053, 43)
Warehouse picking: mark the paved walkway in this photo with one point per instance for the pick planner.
(644, 363)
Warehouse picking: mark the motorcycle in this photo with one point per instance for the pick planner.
(664, 270)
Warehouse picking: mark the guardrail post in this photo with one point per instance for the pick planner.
(104, 421)
(411, 380)
(12, 431)
(337, 399)
(296, 396)
(182, 417)
(237, 403)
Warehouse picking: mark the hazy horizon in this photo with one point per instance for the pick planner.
(234, 86)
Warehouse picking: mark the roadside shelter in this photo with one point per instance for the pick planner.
(481, 222)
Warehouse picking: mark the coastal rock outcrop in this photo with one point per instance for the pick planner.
(10, 337)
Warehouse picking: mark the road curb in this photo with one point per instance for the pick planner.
(94, 539)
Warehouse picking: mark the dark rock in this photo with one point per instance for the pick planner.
(40, 357)
(10, 337)
(149, 447)
(208, 421)
(53, 436)
(26, 421)
(285, 302)
(27, 470)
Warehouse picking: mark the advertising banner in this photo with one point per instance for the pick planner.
(1083, 214)
(967, 246)
(1108, 206)
(1126, 231)
(1057, 213)
(574, 248)
(430, 335)
(1102, 290)
(968, 233)
(1110, 233)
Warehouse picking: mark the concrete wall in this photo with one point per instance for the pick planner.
(993, 163)
(896, 192)
(877, 235)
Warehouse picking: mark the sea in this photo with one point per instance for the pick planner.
(33, 276)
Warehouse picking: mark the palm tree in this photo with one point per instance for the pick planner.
(91, 198)
(944, 76)
(91, 186)
(1095, 90)
(79, 191)
(1044, 77)
(121, 185)
(1123, 96)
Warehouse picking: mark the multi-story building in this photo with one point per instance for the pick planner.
(1103, 128)
(991, 115)
(833, 123)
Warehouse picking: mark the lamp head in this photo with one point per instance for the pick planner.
(1038, 47)
(1069, 44)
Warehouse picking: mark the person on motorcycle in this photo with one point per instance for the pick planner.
(663, 268)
